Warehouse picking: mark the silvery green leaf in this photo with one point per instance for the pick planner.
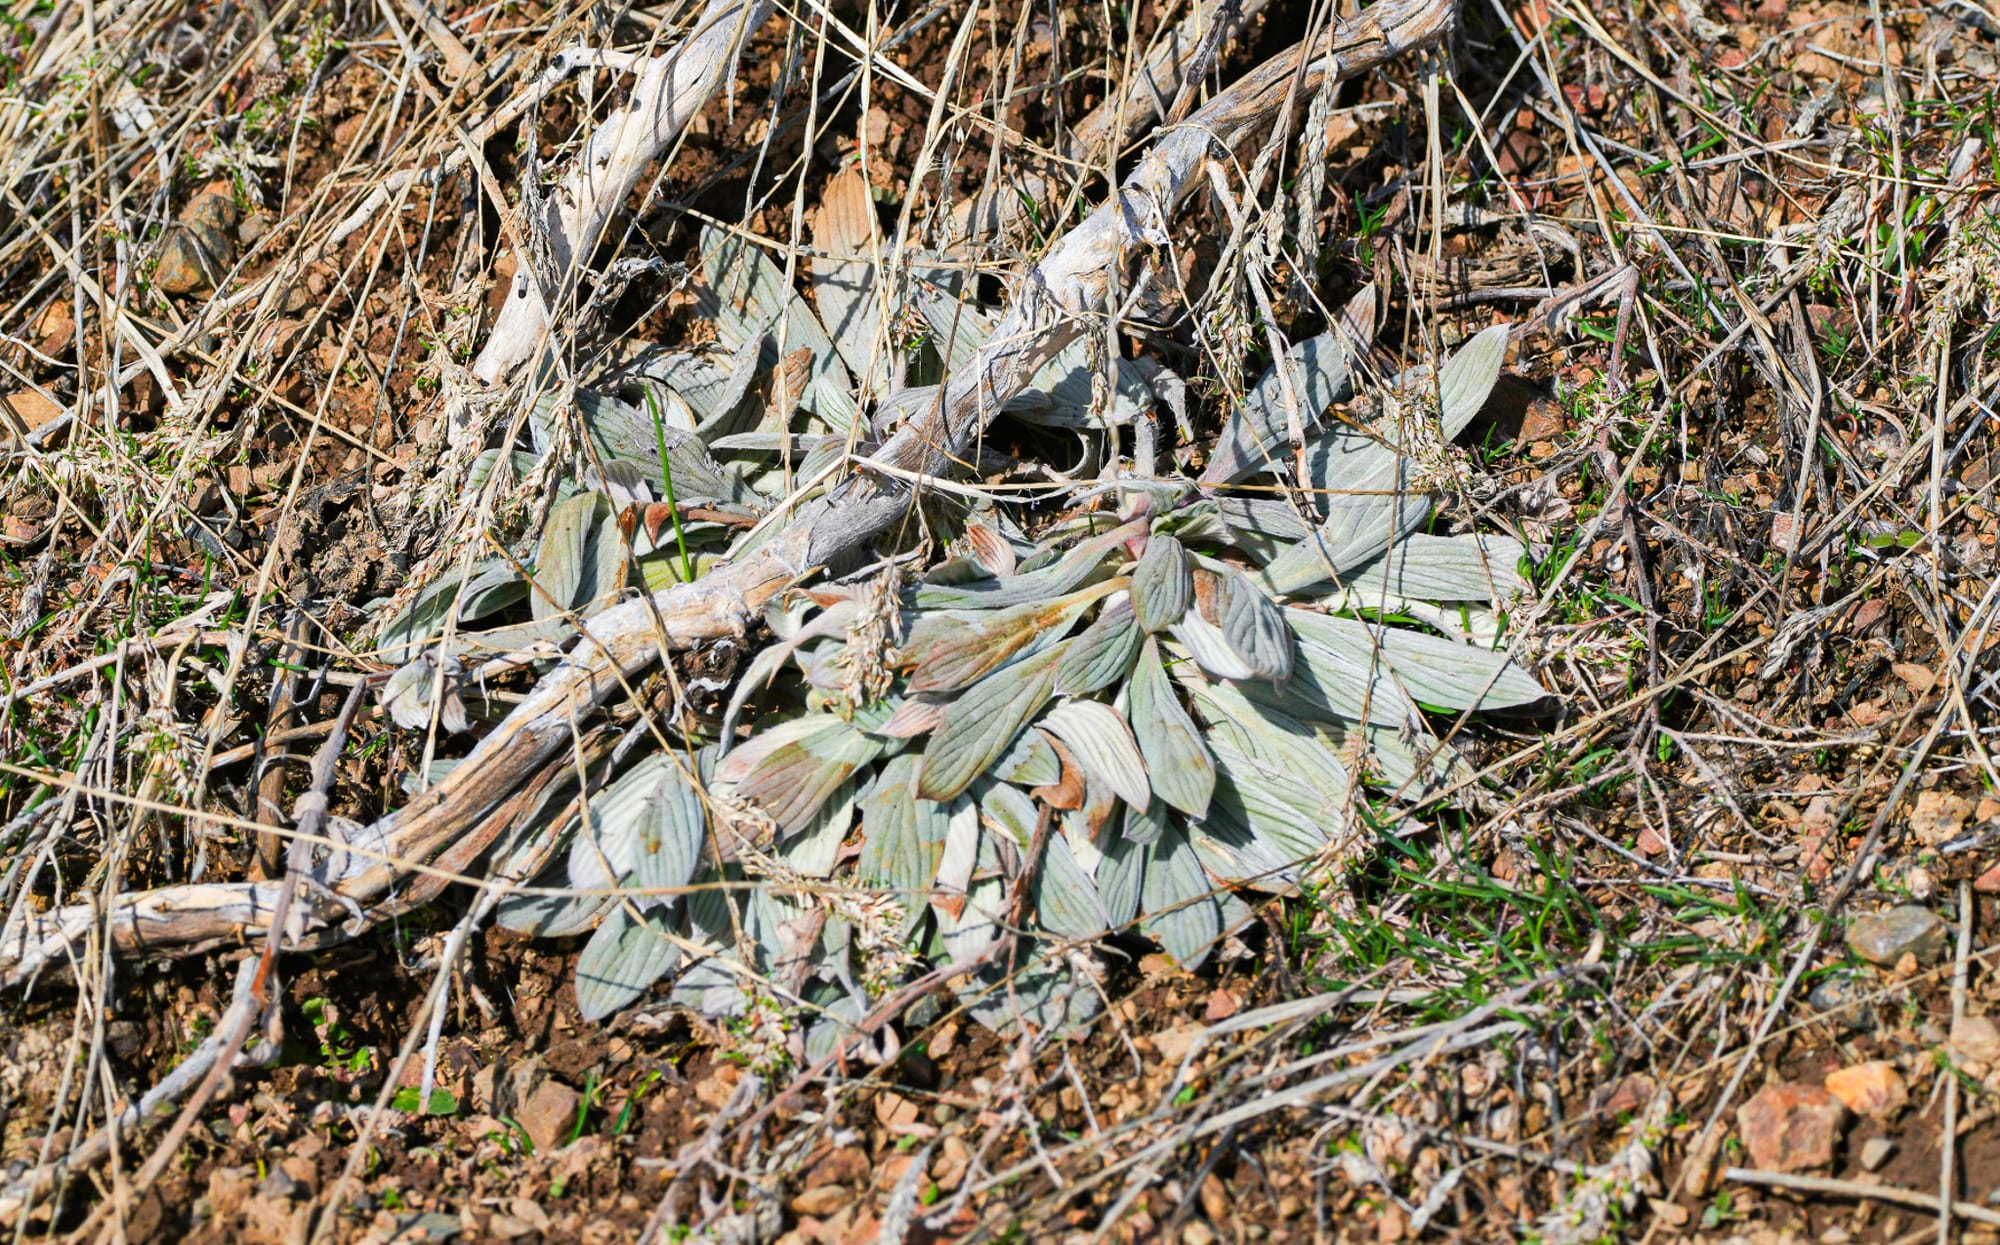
(1414, 766)
(625, 483)
(1331, 687)
(1120, 874)
(959, 852)
(1263, 827)
(1102, 653)
(790, 768)
(491, 585)
(1062, 392)
(1256, 431)
(1008, 809)
(844, 235)
(1162, 584)
(1066, 901)
(957, 329)
(604, 570)
(1318, 783)
(1145, 825)
(752, 297)
(673, 827)
(1174, 893)
(1263, 517)
(520, 463)
(1070, 572)
(813, 852)
(1468, 377)
(551, 916)
(606, 848)
(712, 983)
(903, 837)
(981, 724)
(1254, 627)
(949, 650)
(1357, 529)
(621, 960)
(559, 559)
(977, 924)
(1097, 735)
(626, 440)
(916, 715)
(1181, 771)
(1031, 988)
(1435, 671)
(762, 669)
(1210, 649)
(839, 1023)
(703, 379)
(1031, 762)
(1440, 568)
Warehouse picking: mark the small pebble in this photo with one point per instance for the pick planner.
(1876, 1151)
(1887, 936)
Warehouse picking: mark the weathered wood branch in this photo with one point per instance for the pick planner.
(448, 825)
(669, 91)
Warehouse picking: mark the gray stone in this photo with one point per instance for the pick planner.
(1876, 1151)
(279, 1184)
(1885, 937)
(213, 211)
(1845, 1001)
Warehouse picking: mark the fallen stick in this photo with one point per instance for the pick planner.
(456, 819)
(1860, 1192)
(669, 91)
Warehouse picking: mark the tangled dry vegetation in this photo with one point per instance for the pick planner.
(920, 622)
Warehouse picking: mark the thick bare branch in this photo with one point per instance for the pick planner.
(669, 91)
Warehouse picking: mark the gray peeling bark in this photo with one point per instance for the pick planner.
(447, 826)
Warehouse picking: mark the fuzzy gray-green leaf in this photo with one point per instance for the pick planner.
(1468, 377)
(1098, 736)
(1254, 627)
(1162, 584)
(1177, 762)
(551, 916)
(950, 650)
(902, 836)
(621, 960)
(1440, 568)
(981, 724)
(1436, 671)
(1318, 371)
(673, 828)
(1009, 808)
(1066, 900)
(1102, 653)
(559, 559)
(1119, 877)
(1070, 572)
(790, 768)
(1174, 893)
(1032, 761)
